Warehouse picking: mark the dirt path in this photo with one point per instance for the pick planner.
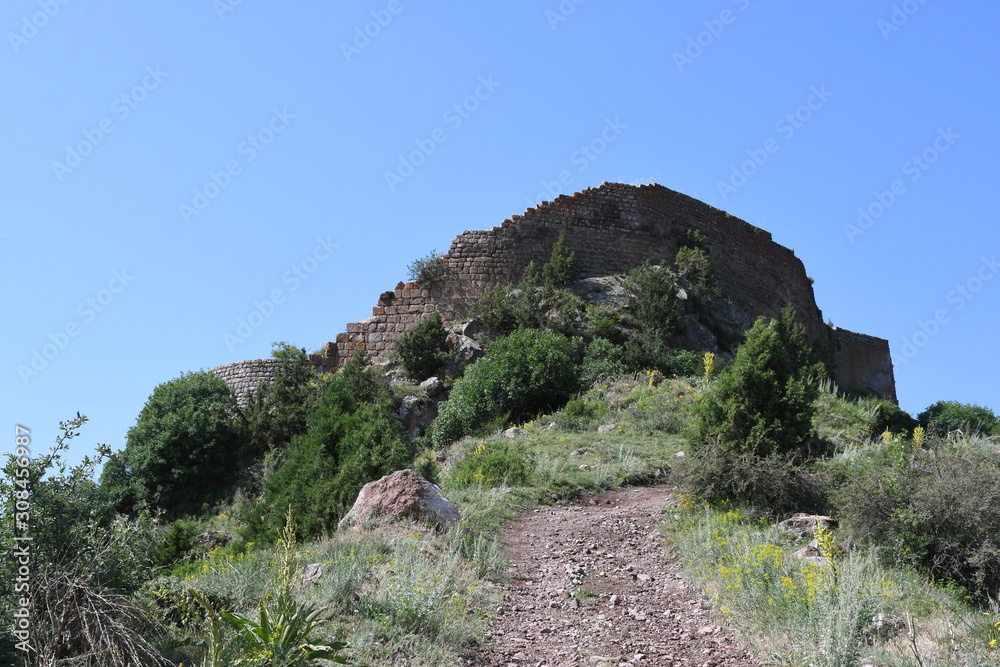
(591, 588)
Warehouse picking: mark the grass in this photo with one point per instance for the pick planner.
(796, 613)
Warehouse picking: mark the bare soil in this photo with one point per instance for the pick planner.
(590, 585)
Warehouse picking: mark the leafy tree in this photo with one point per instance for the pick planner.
(946, 416)
(279, 411)
(180, 453)
(763, 403)
(526, 373)
(561, 269)
(424, 348)
(353, 438)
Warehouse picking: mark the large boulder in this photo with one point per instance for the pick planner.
(403, 494)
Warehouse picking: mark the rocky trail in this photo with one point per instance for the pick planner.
(590, 586)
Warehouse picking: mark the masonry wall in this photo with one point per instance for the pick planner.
(612, 229)
(244, 377)
(864, 361)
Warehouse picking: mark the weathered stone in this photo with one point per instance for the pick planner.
(513, 432)
(473, 328)
(432, 386)
(804, 525)
(403, 494)
(212, 539)
(309, 576)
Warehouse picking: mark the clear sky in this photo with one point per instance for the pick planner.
(170, 168)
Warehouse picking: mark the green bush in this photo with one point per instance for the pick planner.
(946, 416)
(762, 403)
(424, 348)
(694, 273)
(504, 308)
(581, 414)
(772, 482)
(354, 437)
(694, 240)
(428, 270)
(560, 270)
(653, 306)
(937, 507)
(602, 359)
(182, 451)
(279, 411)
(176, 544)
(493, 464)
(526, 373)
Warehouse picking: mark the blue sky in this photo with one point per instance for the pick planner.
(169, 168)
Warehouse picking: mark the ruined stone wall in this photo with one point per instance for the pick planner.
(864, 361)
(243, 377)
(611, 229)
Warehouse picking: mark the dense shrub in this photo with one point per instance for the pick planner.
(354, 437)
(560, 270)
(424, 348)
(180, 453)
(526, 373)
(176, 544)
(279, 411)
(694, 273)
(772, 482)
(653, 306)
(937, 507)
(494, 464)
(581, 414)
(946, 416)
(602, 359)
(503, 308)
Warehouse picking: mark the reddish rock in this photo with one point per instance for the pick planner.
(403, 494)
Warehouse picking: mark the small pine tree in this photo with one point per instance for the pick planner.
(561, 268)
(761, 404)
(424, 348)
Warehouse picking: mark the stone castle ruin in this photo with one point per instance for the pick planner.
(612, 229)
